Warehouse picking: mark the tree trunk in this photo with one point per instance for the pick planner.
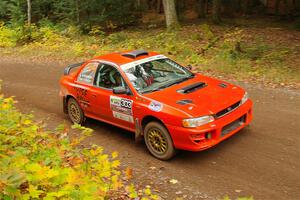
(216, 7)
(246, 7)
(141, 4)
(158, 6)
(170, 13)
(29, 12)
(277, 3)
(202, 8)
(77, 12)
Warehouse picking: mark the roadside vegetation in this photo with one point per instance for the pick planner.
(238, 52)
(39, 164)
(232, 38)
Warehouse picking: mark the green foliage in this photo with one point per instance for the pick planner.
(40, 164)
(8, 36)
(16, 11)
(107, 13)
(227, 52)
(116, 38)
(231, 44)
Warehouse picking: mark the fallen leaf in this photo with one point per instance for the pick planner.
(128, 173)
(173, 181)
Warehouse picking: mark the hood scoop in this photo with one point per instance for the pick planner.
(184, 101)
(192, 88)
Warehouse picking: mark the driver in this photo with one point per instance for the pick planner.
(147, 74)
(115, 78)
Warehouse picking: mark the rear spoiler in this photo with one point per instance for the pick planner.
(69, 67)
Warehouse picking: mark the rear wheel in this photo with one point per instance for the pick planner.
(158, 141)
(75, 112)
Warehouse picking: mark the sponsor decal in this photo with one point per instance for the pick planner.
(81, 95)
(121, 108)
(155, 106)
(122, 116)
(134, 63)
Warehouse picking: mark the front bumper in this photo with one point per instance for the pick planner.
(206, 136)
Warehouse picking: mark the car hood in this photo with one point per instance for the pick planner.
(199, 96)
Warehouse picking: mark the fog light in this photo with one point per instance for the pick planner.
(250, 112)
(208, 135)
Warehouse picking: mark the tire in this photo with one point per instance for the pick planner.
(159, 141)
(75, 112)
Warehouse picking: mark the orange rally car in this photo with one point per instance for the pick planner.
(157, 99)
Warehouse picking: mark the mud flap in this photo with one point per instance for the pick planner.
(65, 109)
(138, 131)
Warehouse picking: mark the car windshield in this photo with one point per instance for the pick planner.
(156, 75)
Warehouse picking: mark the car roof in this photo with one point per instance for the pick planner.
(121, 58)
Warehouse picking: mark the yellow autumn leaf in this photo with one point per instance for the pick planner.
(27, 122)
(33, 167)
(52, 173)
(73, 176)
(34, 192)
(115, 163)
(114, 154)
(147, 191)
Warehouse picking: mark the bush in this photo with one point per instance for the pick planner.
(8, 36)
(39, 164)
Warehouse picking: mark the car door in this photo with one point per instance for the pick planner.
(107, 106)
(83, 84)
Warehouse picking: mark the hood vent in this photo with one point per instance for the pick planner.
(184, 102)
(192, 88)
(223, 85)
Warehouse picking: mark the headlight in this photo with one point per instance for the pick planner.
(194, 122)
(245, 98)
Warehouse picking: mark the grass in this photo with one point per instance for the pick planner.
(248, 54)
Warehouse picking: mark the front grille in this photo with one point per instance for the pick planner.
(227, 110)
(233, 125)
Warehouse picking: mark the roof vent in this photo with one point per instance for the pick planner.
(135, 54)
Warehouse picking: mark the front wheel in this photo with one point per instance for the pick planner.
(158, 141)
(75, 112)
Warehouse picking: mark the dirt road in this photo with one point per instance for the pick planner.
(262, 160)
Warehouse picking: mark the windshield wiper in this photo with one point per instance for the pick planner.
(160, 88)
(184, 79)
(148, 91)
(170, 84)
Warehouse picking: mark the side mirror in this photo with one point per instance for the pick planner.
(189, 67)
(121, 90)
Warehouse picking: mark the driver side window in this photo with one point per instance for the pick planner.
(108, 77)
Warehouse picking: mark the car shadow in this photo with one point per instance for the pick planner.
(120, 140)
(118, 137)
